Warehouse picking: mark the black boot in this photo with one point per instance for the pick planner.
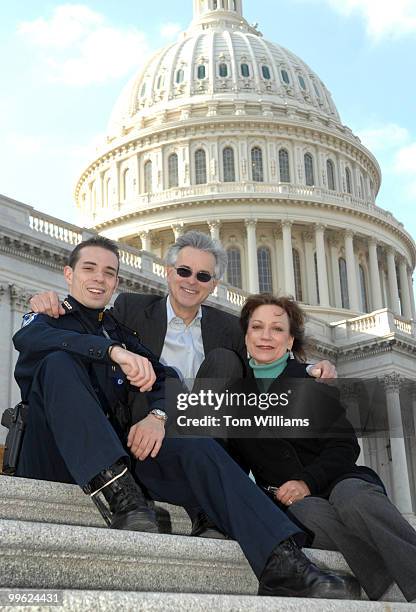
(128, 506)
(203, 527)
(289, 573)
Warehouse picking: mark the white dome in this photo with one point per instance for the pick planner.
(225, 59)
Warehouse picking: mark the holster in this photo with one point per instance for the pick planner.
(14, 419)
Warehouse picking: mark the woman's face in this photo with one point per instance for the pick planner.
(268, 337)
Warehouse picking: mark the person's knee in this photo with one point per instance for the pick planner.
(57, 361)
(354, 495)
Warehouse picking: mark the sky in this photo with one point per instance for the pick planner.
(63, 65)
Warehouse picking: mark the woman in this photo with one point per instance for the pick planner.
(344, 506)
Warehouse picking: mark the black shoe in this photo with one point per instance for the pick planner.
(289, 573)
(128, 506)
(203, 527)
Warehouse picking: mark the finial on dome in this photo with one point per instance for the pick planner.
(202, 7)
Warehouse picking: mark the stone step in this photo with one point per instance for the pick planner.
(55, 502)
(45, 555)
(114, 601)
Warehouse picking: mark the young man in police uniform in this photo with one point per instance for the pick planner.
(75, 370)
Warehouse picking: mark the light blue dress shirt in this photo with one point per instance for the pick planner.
(183, 348)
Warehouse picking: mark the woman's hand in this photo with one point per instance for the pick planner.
(292, 491)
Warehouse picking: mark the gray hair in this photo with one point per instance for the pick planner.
(202, 242)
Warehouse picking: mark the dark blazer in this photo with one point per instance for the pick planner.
(319, 462)
(146, 314)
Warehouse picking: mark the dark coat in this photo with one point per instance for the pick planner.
(146, 314)
(42, 335)
(319, 462)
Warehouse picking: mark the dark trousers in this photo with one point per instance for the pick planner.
(69, 439)
(359, 520)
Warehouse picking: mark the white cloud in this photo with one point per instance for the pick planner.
(170, 30)
(405, 160)
(383, 18)
(383, 138)
(78, 47)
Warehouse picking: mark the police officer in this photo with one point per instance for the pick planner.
(75, 372)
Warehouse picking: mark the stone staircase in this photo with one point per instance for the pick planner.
(52, 537)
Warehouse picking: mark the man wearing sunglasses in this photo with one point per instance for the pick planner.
(199, 341)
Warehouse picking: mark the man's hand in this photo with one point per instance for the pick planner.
(146, 437)
(138, 369)
(47, 303)
(323, 369)
(292, 491)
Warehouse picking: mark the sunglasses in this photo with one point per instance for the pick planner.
(202, 277)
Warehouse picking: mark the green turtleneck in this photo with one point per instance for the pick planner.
(267, 372)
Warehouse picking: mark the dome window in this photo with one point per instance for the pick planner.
(265, 70)
(223, 70)
(257, 165)
(315, 86)
(234, 276)
(245, 70)
(200, 167)
(201, 72)
(228, 165)
(302, 82)
(308, 162)
(264, 266)
(214, 4)
(343, 281)
(285, 76)
(173, 175)
(179, 76)
(143, 90)
(284, 166)
(297, 275)
(348, 180)
(330, 172)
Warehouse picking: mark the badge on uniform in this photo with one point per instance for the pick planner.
(28, 318)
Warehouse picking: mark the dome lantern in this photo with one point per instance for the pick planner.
(205, 7)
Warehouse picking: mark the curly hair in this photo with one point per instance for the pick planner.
(291, 308)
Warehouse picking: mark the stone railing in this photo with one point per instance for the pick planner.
(380, 323)
(55, 228)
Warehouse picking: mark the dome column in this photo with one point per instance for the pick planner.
(178, 229)
(333, 243)
(351, 271)
(392, 279)
(404, 286)
(411, 293)
(321, 264)
(377, 301)
(288, 258)
(400, 473)
(253, 271)
(214, 228)
(277, 235)
(310, 269)
(145, 237)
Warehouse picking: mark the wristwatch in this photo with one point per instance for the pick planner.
(159, 414)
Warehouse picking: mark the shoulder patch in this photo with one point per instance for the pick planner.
(28, 318)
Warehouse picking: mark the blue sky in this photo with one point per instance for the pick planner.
(63, 65)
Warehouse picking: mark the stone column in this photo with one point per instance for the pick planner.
(392, 278)
(411, 293)
(400, 472)
(351, 271)
(333, 243)
(350, 401)
(99, 191)
(117, 183)
(277, 235)
(178, 229)
(253, 271)
(145, 237)
(377, 300)
(404, 286)
(288, 258)
(310, 269)
(214, 228)
(321, 264)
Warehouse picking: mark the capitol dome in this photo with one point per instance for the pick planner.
(223, 57)
(227, 133)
